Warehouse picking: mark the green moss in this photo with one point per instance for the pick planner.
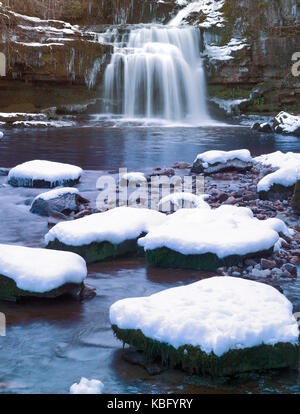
(193, 360)
(164, 257)
(10, 291)
(296, 197)
(228, 92)
(96, 252)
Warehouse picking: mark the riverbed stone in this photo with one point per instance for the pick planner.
(296, 197)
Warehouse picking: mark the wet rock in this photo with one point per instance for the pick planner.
(230, 201)
(139, 358)
(65, 204)
(264, 127)
(267, 264)
(290, 268)
(4, 171)
(87, 292)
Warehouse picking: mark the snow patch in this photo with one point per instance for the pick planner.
(213, 157)
(86, 386)
(179, 198)
(210, 8)
(58, 192)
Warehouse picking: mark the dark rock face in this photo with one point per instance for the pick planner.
(277, 192)
(64, 204)
(296, 198)
(262, 70)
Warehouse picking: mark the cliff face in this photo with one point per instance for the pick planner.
(248, 47)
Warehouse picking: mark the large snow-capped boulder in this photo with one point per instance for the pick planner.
(219, 326)
(61, 200)
(207, 239)
(44, 174)
(214, 161)
(104, 235)
(286, 123)
(26, 271)
(280, 184)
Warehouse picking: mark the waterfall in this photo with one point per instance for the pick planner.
(156, 72)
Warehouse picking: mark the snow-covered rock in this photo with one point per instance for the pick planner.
(287, 124)
(213, 161)
(183, 199)
(285, 177)
(279, 185)
(133, 178)
(1, 134)
(45, 174)
(210, 9)
(61, 200)
(86, 386)
(262, 127)
(200, 323)
(210, 238)
(38, 272)
(104, 235)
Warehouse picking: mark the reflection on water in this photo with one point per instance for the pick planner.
(134, 148)
(51, 344)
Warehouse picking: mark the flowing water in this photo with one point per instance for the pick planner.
(155, 78)
(156, 72)
(51, 344)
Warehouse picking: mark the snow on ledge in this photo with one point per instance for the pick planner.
(213, 157)
(216, 314)
(227, 230)
(40, 270)
(114, 226)
(58, 192)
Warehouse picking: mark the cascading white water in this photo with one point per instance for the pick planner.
(157, 72)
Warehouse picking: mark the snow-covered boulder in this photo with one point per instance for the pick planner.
(26, 271)
(1, 134)
(207, 239)
(61, 200)
(44, 174)
(213, 161)
(286, 123)
(183, 199)
(219, 326)
(104, 235)
(86, 386)
(296, 198)
(133, 178)
(280, 184)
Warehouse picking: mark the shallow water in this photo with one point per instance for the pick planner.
(51, 344)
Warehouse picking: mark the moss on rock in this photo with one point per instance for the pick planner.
(96, 252)
(192, 359)
(165, 257)
(9, 290)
